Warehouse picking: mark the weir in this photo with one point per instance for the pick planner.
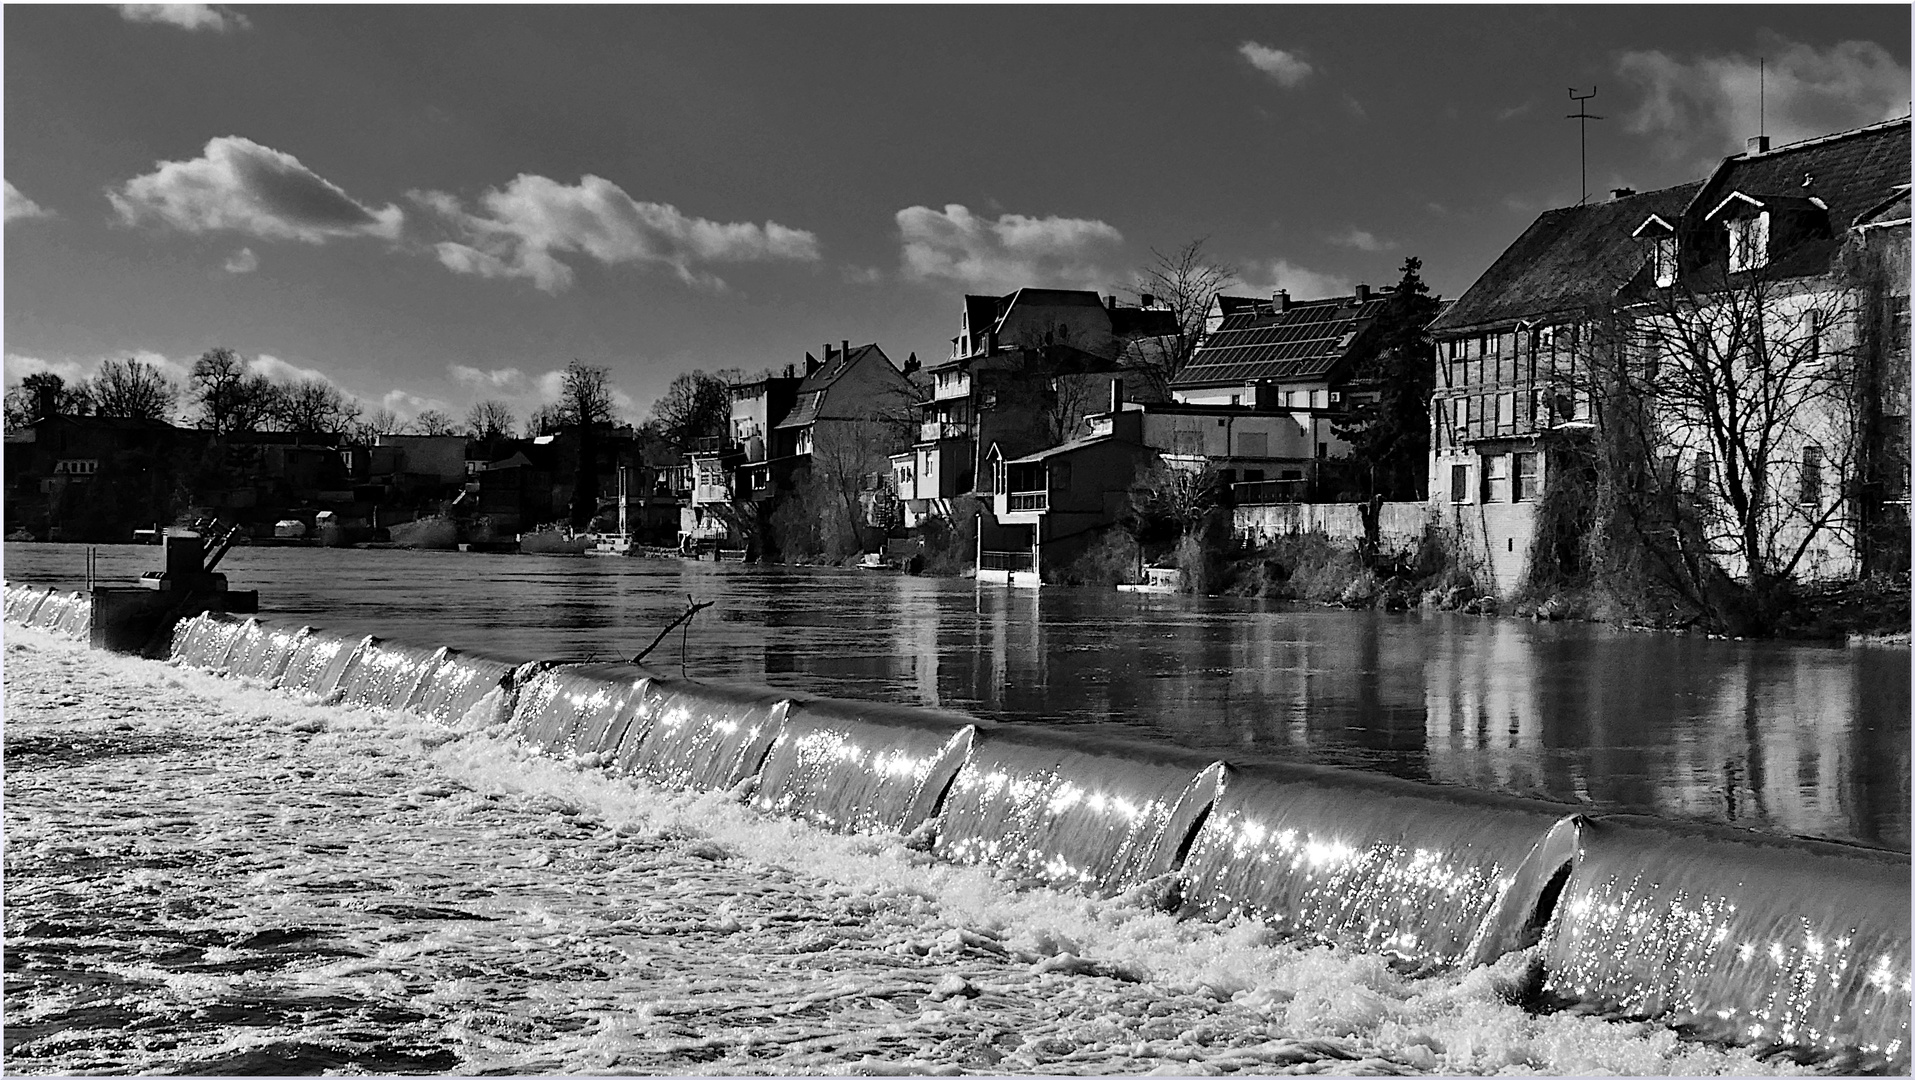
(1782, 943)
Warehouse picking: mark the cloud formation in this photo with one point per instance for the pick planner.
(1287, 68)
(282, 371)
(522, 228)
(242, 261)
(237, 185)
(1302, 283)
(1354, 237)
(1014, 250)
(72, 369)
(1711, 104)
(21, 208)
(185, 16)
(510, 380)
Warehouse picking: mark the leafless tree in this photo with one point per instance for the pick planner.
(1726, 418)
(314, 405)
(490, 420)
(543, 421)
(1185, 281)
(133, 389)
(585, 395)
(696, 405)
(433, 422)
(229, 397)
(44, 394)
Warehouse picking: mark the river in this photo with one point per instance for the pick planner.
(1791, 738)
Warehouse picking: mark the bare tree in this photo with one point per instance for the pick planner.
(433, 422)
(695, 406)
(1726, 414)
(229, 397)
(543, 421)
(490, 421)
(314, 406)
(43, 394)
(585, 395)
(133, 389)
(1186, 282)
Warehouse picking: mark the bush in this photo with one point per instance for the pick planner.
(1112, 560)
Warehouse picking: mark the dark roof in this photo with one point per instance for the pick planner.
(1892, 209)
(1305, 341)
(817, 386)
(1130, 322)
(1567, 260)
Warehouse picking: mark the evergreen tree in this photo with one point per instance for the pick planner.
(1390, 436)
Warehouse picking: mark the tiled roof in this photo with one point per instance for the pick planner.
(1567, 260)
(1894, 208)
(813, 392)
(1304, 342)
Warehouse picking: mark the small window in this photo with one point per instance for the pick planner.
(1664, 258)
(1811, 491)
(1505, 411)
(1524, 486)
(1749, 242)
(1323, 450)
(1459, 483)
(1496, 478)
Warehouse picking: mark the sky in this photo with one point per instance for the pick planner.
(433, 205)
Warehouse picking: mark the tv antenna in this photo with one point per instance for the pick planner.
(1583, 114)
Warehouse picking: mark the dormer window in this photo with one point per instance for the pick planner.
(1662, 252)
(1749, 242)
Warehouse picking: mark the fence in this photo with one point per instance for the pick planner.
(1020, 561)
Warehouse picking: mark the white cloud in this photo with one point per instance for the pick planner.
(242, 261)
(21, 208)
(1354, 237)
(237, 185)
(1710, 105)
(1011, 251)
(523, 227)
(510, 380)
(1287, 68)
(1303, 284)
(407, 405)
(185, 16)
(74, 369)
(281, 371)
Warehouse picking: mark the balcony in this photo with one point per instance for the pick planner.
(1024, 501)
(951, 386)
(933, 430)
(1013, 561)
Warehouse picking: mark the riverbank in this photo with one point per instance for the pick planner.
(205, 877)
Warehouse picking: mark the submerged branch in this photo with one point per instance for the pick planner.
(685, 616)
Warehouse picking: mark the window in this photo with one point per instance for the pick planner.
(1702, 478)
(1459, 483)
(1749, 242)
(1663, 261)
(930, 465)
(1496, 478)
(1811, 492)
(1320, 399)
(1505, 411)
(1524, 487)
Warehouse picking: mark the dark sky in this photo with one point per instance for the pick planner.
(437, 204)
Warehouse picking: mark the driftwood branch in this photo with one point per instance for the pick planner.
(691, 609)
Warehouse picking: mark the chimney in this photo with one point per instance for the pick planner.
(791, 371)
(1110, 302)
(1146, 300)
(1622, 192)
(1362, 294)
(844, 350)
(1759, 144)
(45, 402)
(1116, 396)
(1280, 301)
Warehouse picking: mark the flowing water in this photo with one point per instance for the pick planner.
(1787, 738)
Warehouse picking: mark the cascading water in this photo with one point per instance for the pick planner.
(858, 767)
(1365, 861)
(1093, 815)
(1733, 935)
(1738, 936)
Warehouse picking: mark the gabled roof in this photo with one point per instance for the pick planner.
(815, 390)
(1566, 261)
(1889, 211)
(1305, 341)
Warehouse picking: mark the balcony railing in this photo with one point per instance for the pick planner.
(933, 430)
(1029, 500)
(1005, 560)
(1267, 492)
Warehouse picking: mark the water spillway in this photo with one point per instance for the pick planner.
(1735, 936)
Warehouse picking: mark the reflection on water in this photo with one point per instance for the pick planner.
(1791, 738)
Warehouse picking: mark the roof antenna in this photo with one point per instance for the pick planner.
(1583, 114)
(1762, 98)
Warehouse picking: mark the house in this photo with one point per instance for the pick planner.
(1050, 506)
(1280, 351)
(1578, 332)
(1261, 454)
(1024, 370)
(94, 477)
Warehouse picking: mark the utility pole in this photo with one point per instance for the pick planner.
(1583, 114)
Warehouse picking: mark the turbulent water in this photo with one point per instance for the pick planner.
(1792, 739)
(206, 877)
